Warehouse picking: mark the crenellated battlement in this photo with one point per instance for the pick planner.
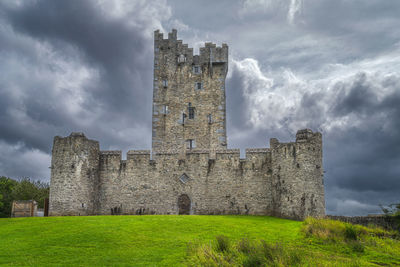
(210, 53)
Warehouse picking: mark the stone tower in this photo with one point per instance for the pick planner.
(74, 175)
(188, 96)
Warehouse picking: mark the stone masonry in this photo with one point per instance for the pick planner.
(189, 170)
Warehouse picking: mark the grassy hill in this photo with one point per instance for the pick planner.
(163, 240)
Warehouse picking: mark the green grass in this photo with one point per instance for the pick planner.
(164, 240)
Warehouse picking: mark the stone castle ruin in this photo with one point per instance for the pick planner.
(190, 169)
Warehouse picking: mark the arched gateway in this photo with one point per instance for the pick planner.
(184, 204)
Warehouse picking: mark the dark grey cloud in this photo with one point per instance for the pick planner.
(116, 54)
(357, 112)
(97, 40)
(328, 65)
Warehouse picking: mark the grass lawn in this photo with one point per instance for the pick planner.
(158, 240)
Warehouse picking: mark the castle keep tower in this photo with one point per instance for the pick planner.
(192, 171)
(188, 96)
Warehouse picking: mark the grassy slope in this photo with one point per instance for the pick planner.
(146, 240)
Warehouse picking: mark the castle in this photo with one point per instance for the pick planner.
(190, 169)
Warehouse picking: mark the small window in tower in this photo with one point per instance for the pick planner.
(196, 69)
(184, 178)
(181, 58)
(165, 83)
(191, 112)
(165, 109)
(198, 86)
(190, 144)
(209, 118)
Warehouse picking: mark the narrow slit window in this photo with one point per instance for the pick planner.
(198, 86)
(165, 109)
(209, 118)
(190, 143)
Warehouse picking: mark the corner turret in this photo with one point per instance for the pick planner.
(74, 175)
(298, 176)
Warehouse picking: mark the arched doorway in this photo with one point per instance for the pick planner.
(184, 204)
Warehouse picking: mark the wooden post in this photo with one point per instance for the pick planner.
(46, 207)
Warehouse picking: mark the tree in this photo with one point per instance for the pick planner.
(6, 191)
(391, 210)
(28, 189)
(25, 189)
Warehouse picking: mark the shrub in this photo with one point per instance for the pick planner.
(244, 246)
(223, 243)
(244, 253)
(356, 246)
(324, 229)
(253, 260)
(206, 256)
(350, 232)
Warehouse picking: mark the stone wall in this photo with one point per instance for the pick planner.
(266, 182)
(224, 185)
(387, 222)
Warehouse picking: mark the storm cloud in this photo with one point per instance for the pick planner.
(332, 66)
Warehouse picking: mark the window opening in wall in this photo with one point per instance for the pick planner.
(190, 143)
(198, 86)
(181, 58)
(209, 118)
(196, 69)
(184, 178)
(165, 83)
(165, 109)
(191, 111)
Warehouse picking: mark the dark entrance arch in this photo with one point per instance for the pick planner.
(184, 204)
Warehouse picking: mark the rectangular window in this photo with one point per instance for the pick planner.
(209, 118)
(165, 83)
(191, 112)
(196, 69)
(165, 109)
(198, 86)
(190, 143)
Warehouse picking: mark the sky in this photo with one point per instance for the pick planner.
(331, 66)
